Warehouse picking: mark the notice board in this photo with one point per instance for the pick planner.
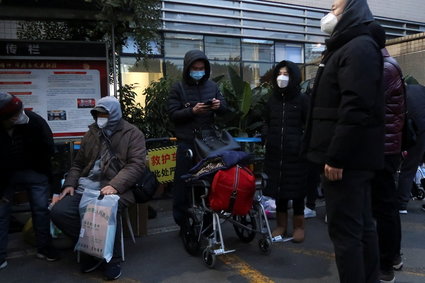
(61, 81)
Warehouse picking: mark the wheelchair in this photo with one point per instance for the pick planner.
(202, 231)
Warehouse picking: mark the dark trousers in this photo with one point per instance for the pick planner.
(385, 211)
(37, 188)
(351, 226)
(297, 205)
(180, 188)
(409, 166)
(313, 181)
(65, 215)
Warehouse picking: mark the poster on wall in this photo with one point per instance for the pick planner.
(58, 83)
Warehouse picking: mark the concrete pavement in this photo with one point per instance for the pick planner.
(160, 257)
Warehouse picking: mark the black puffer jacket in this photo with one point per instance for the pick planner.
(180, 105)
(285, 117)
(30, 147)
(345, 128)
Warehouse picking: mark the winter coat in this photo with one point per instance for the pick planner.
(128, 145)
(345, 127)
(395, 107)
(30, 147)
(180, 104)
(416, 106)
(285, 116)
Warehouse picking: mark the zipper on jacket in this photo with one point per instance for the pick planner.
(282, 131)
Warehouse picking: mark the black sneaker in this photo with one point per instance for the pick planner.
(387, 276)
(90, 263)
(112, 271)
(3, 264)
(48, 253)
(398, 263)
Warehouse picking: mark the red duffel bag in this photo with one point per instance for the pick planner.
(232, 190)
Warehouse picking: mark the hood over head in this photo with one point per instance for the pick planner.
(110, 105)
(356, 12)
(189, 58)
(294, 77)
(378, 33)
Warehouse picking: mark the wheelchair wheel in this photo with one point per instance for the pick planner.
(209, 257)
(265, 246)
(248, 220)
(190, 234)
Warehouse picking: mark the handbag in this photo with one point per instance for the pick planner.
(146, 187)
(98, 224)
(209, 141)
(232, 190)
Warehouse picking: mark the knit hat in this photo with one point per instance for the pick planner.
(10, 105)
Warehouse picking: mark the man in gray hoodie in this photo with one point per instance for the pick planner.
(111, 159)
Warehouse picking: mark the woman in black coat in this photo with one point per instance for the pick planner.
(285, 117)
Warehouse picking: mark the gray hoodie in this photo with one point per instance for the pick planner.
(113, 107)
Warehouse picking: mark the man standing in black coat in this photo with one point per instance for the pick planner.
(345, 134)
(192, 105)
(26, 146)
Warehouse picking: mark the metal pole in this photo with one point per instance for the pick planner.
(114, 61)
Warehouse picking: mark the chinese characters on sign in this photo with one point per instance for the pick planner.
(162, 161)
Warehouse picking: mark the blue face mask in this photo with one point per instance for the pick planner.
(197, 75)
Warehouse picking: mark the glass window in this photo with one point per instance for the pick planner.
(140, 74)
(223, 48)
(273, 34)
(219, 68)
(316, 30)
(177, 45)
(200, 9)
(313, 22)
(254, 72)
(201, 19)
(201, 28)
(277, 26)
(313, 52)
(316, 38)
(280, 18)
(289, 51)
(272, 9)
(257, 50)
(130, 47)
(174, 68)
(315, 14)
(221, 3)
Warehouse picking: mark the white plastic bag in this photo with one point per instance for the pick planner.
(98, 224)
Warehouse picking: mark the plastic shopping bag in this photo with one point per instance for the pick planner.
(98, 224)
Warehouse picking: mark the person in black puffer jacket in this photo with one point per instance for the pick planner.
(345, 135)
(384, 190)
(188, 111)
(26, 148)
(285, 116)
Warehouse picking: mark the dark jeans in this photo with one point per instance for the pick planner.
(313, 181)
(409, 166)
(385, 211)
(37, 188)
(297, 205)
(351, 226)
(180, 188)
(65, 215)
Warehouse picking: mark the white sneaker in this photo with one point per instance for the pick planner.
(3, 264)
(309, 213)
(404, 211)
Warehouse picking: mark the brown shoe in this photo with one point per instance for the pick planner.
(282, 224)
(298, 235)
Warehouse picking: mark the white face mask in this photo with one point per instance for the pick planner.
(282, 81)
(101, 122)
(22, 119)
(328, 23)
